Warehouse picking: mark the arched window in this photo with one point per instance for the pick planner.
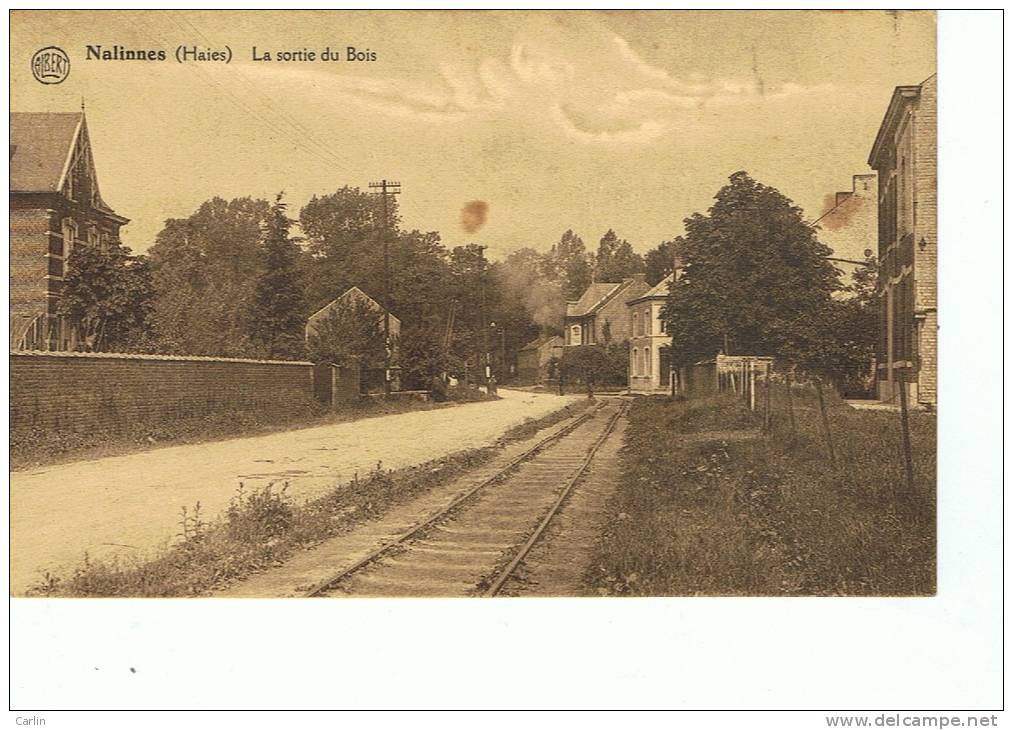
(647, 321)
(647, 361)
(636, 323)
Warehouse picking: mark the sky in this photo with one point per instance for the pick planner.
(630, 120)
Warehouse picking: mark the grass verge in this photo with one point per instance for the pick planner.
(260, 529)
(707, 505)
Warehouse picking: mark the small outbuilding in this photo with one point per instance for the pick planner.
(536, 361)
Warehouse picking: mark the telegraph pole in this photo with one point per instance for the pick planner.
(386, 188)
(485, 324)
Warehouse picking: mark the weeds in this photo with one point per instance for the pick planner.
(262, 527)
(708, 506)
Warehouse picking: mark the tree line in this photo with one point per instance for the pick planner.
(233, 279)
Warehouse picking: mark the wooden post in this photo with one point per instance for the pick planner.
(766, 401)
(826, 424)
(791, 408)
(906, 435)
(752, 386)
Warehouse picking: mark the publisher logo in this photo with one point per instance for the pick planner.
(50, 65)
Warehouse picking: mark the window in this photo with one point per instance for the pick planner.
(575, 334)
(647, 321)
(647, 361)
(662, 326)
(69, 236)
(636, 324)
(640, 362)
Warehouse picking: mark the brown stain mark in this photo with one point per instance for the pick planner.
(839, 216)
(474, 215)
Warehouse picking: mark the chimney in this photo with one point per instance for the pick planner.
(862, 184)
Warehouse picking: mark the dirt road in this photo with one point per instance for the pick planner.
(131, 504)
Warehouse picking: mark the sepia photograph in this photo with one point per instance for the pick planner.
(591, 357)
(473, 303)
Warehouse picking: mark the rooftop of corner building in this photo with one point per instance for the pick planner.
(40, 144)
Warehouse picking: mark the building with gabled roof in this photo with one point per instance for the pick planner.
(55, 204)
(600, 315)
(351, 296)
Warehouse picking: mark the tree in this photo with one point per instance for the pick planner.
(279, 303)
(349, 329)
(423, 358)
(854, 322)
(659, 262)
(205, 270)
(568, 264)
(616, 259)
(107, 295)
(342, 238)
(755, 280)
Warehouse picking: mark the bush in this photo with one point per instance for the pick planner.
(596, 365)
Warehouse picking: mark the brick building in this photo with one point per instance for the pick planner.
(650, 344)
(849, 228)
(904, 155)
(600, 314)
(54, 204)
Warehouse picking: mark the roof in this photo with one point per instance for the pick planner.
(658, 291)
(592, 298)
(41, 143)
(901, 96)
(351, 293)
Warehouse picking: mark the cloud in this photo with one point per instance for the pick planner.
(593, 90)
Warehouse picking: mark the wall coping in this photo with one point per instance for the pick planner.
(159, 358)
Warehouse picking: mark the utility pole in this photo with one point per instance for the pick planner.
(484, 324)
(386, 188)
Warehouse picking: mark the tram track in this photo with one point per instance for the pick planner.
(473, 545)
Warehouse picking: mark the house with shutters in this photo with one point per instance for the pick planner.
(55, 204)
